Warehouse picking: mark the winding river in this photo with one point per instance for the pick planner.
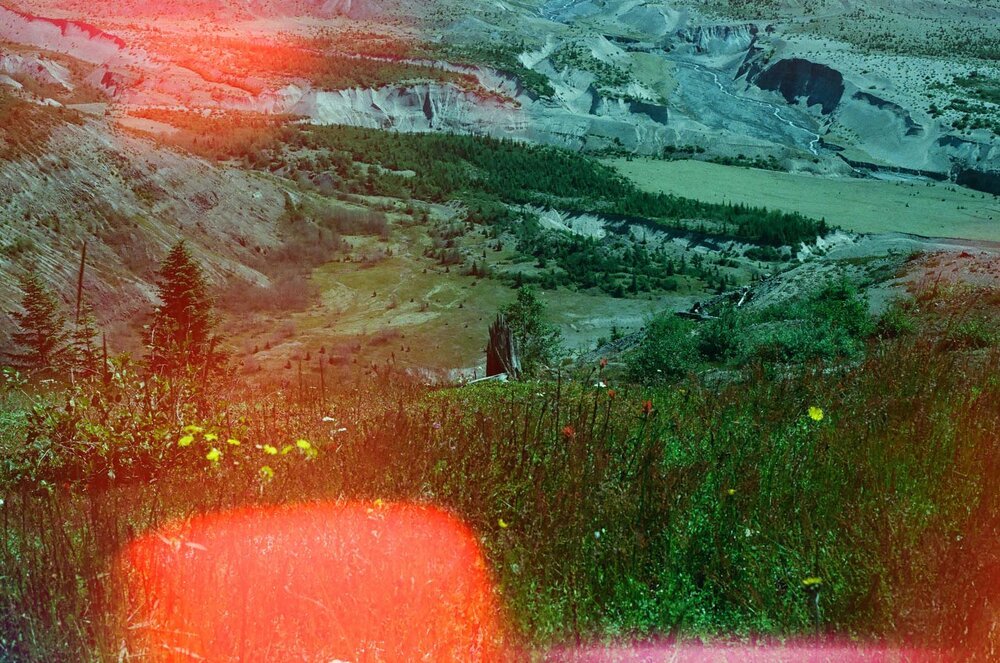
(775, 109)
(726, 111)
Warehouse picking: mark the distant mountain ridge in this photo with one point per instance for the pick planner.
(214, 9)
(80, 39)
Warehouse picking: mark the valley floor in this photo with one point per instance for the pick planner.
(920, 207)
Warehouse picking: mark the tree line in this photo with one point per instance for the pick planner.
(179, 339)
(439, 167)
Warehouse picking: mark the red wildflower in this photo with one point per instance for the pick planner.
(611, 393)
(604, 362)
(647, 407)
(568, 432)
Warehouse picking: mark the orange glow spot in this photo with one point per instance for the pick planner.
(314, 582)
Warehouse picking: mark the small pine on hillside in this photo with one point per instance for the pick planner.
(41, 329)
(180, 335)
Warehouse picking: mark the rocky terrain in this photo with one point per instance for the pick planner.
(627, 76)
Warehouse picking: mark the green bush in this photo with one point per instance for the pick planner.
(669, 349)
(973, 334)
(718, 339)
(896, 321)
(831, 323)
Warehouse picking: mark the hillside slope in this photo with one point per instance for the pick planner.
(129, 201)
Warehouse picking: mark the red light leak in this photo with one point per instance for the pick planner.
(314, 582)
(330, 582)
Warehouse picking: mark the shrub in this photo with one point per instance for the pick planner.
(896, 321)
(973, 335)
(718, 339)
(831, 323)
(668, 350)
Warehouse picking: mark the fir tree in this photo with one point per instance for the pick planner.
(41, 328)
(180, 335)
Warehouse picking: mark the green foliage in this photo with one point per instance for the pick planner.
(340, 72)
(830, 323)
(669, 349)
(974, 334)
(610, 264)
(983, 88)
(538, 342)
(765, 254)
(442, 167)
(896, 321)
(130, 427)
(769, 163)
(688, 509)
(719, 338)
(447, 165)
(180, 332)
(41, 329)
(609, 78)
(502, 57)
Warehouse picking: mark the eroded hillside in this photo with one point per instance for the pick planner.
(138, 124)
(806, 85)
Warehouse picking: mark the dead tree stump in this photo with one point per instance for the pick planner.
(501, 352)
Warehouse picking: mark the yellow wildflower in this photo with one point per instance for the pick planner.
(812, 581)
(211, 437)
(379, 503)
(214, 455)
(193, 430)
(502, 523)
(303, 444)
(731, 491)
(816, 413)
(185, 441)
(233, 441)
(270, 451)
(266, 473)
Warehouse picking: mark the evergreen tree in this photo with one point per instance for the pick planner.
(180, 335)
(41, 328)
(539, 343)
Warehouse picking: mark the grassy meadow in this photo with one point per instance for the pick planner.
(815, 464)
(854, 499)
(931, 209)
(384, 301)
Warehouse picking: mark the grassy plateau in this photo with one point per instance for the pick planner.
(861, 205)
(852, 497)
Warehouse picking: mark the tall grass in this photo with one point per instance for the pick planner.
(689, 510)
